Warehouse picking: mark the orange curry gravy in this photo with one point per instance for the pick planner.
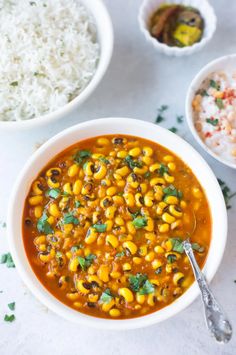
(103, 226)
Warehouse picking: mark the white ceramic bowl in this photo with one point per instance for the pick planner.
(115, 126)
(105, 38)
(227, 62)
(149, 7)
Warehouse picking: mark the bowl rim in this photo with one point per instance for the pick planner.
(20, 258)
(193, 87)
(94, 8)
(176, 51)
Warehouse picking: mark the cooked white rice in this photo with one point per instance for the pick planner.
(48, 54)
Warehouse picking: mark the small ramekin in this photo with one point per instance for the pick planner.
(149, 7)
(222, 63)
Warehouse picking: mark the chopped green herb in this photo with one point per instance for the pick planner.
(140, 222)
(14, 83)
(77, 204)
(173, 129)
(198, 247)
(135, 214)
(180, 119)
(106, 296)
(81, 155)
(219, 103)
(172, 191)
(226, 193)
(11, 306)
(33, 3)
(177, 245)
(137, 281)
(147, 175)
(70, 218)
(120, 255)
(43, 226)
(104, 160)
(9, 318)
(100, 228)
(158, 270)
(203, 93)
(131, 163)
(160, 111)
(171, 258)
(163, 169)
(212, 121)
(7, 259)
(214, 84)
(76, 247)
(53, 193)
(147, 288)
(3, 224)
(86, 262)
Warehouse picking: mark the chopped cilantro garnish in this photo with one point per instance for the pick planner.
(76, 247)
(226, 193)
(172, 191)
(9, 318)
(158, 270)
(180, 119)
(87, 261)
(104, 160)
(212, 121)
(177, 245)
(53, 193)
(140, 222)
(173, 129)
(171, 258)
(219, 103)
(147, 175)
(163, 169)
(14, 83)
(43, 226)
(137, 281)
(77, 204)
(11, 306)
(214, 84)
(106, 296)
(7, 259)
(100, 228)
(131, 163)
(198, 247)
(70, 218)
(160, 111)
(147, 288)
(81, 155)
(203, 93)
(120, 255)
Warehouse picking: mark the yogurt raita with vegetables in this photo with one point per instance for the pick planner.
(214, 112)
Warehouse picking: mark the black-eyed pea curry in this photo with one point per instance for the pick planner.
(104, 222)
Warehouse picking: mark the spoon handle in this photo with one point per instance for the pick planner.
(217, 322)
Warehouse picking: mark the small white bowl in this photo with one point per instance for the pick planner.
(105, 38)
(222, 63)
(149, 7)
(94, 128)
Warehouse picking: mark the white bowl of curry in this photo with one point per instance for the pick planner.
(97, 218)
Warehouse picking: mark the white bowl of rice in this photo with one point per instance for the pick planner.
(211, 109)
(53, 56)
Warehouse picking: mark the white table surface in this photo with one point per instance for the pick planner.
(138, 81)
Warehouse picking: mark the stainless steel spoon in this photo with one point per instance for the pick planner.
(217, 322)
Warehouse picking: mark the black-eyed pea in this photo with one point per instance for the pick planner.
(171, 166)
(178, 278)
(67, 188)
(126, 267)
(93, 297)
(139, 199)
(94, 280)
(35, 200)
(156, 263)
(38, 211)
(110, 212)
(186, 282)
(168, 245)
(157, 181)
(183, 204)
(150, 256)
(51, 220)
(89, 168)
(197, 193)
(158, 249)
(73, 296)
(176, 224)
(140, 298)
(137, 260)
(167, 218)
(63, 203)
(77, 186)
(175, 211)
(177, 291)
(140, 171)
(160, 207)
(40, 240)
(53, 172)
(168, 158)
(137, 307)
(106, 202)
(131, 246)
(171, 200)
(73, 264)
(124, 171)
(103, 141)
(150, 225)
(131, 228)
(120, 183)
(107, 306)
(103, 273)
(147, 151)
(135, 152)
(164, 228)
(112, 240)
(109, 225)
(151, 300)
(53, 183)
(149, 199)
(147, 160)
(115, 274)
(42, 247)
(158, 195)
(36, 187)
(168, 178)
(54, 211)
(129, 199)
(150, 236)
(154, 167)
(91, 270)
(111, 191)
(122, 154)
(82, 286)
(126, 293)
(119, 221)
(114, 312)
(143, 187)
(101, 171)
(73, 170)
(143, 250)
